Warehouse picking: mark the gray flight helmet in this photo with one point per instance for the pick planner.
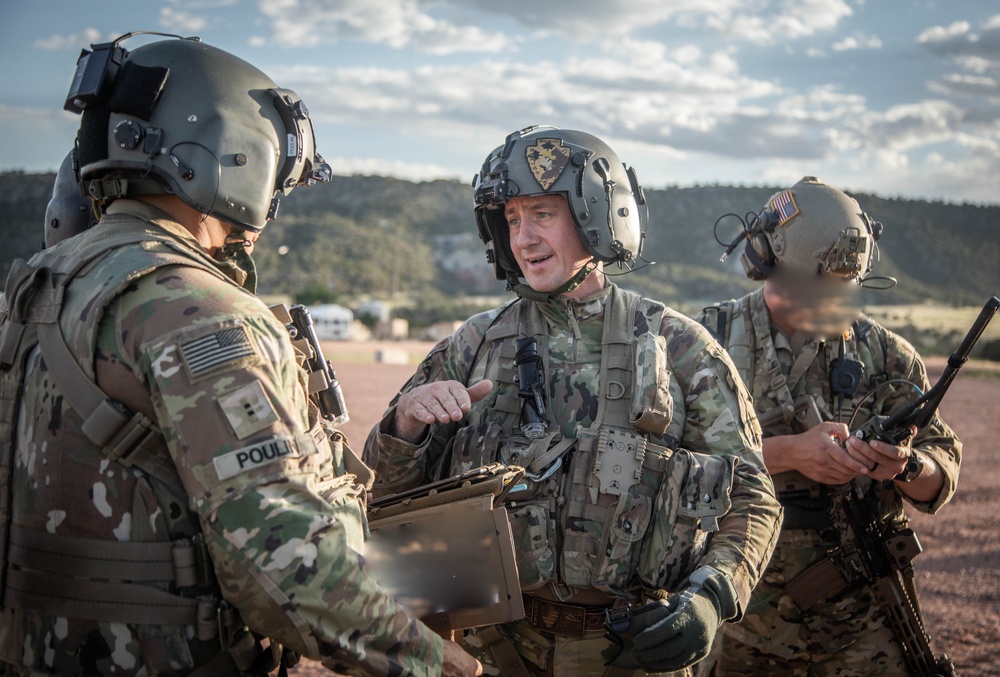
(181, 117)
(812, 228)
(69, 212)
(603, 194)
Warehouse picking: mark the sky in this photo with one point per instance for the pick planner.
(900, 98)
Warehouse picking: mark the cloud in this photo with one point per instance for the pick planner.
(79, 40)
(400, 24)
(777, 22)
(763, 21)
(630, 89)
(859, 41)
(966, 85)
(959, 41)
(181, 21)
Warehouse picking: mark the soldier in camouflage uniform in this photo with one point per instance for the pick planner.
(799, 337)
(170, 495)
(683, 503)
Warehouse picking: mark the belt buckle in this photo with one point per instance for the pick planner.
(561, 619)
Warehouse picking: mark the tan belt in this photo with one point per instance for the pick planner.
(569, 620)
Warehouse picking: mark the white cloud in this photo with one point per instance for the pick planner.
(632, 89)
(859, 41)
(79, 40)
(181, 21)
(937, 35)
(400, 24)
(760, 21)
(780, 21)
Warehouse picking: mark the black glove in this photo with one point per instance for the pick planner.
(686, 625)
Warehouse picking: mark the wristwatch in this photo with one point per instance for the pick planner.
(914, 466)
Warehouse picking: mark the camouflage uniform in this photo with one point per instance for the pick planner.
(249, 473)
(574, 540)
(843, 633)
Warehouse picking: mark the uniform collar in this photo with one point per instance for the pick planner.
(164, 221)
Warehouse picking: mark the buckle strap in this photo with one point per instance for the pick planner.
(98, 601)
(504, 653)
(570, 620)
(185, 563)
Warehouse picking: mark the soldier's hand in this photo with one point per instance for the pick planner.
(457, 663)
(438, 402)
(883, 460)
(690, 620)
(818, 454)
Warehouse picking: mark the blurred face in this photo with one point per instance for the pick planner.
(545, 245)
(823, 306)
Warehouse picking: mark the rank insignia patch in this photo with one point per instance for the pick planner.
(220, 351)
(784, 206)
(248, 410)
(547, 159)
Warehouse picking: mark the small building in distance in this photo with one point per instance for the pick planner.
(333, 322)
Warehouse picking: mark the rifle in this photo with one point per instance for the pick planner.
(323, 384)
(880, 555)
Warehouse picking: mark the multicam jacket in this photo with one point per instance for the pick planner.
(773, 622)
(247, 474)
(701, 495)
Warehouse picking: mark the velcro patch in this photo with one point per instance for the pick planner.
(248, 458)
(248, 410)
(217, 352)
(785, 207)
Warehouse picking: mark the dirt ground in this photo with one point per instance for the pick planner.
(958, 574)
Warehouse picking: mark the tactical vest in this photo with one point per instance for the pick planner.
(743, 327)
(95, 579)
(582, 516)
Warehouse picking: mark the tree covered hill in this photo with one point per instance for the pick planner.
(372, 236)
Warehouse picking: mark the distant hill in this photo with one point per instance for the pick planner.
(369, 235)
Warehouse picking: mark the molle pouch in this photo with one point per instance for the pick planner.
(626, 527)
(347, 498)
(652, 405)
(529, 530)
(475, 446)
(687, 509)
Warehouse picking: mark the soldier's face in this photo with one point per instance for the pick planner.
(544, 242)
(824, 306)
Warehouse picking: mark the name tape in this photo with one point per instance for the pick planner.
(241, 460)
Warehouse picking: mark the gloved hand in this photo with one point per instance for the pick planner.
(688, 622)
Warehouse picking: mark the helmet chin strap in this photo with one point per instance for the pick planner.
(527, 292)
(235, 250)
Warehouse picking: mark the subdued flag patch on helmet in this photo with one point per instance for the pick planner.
(783, 204)
(547, 159)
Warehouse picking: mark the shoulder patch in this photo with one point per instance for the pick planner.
(219, 351)
(263, 453)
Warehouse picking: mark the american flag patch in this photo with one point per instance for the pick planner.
(784, 206)
(207, 354)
